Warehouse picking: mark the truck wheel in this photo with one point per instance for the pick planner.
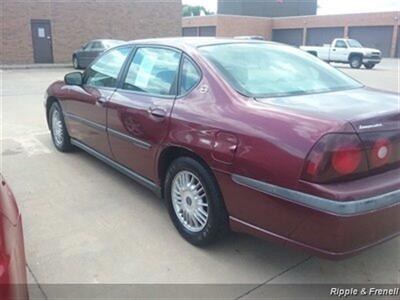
(356, 62)
(369, 66)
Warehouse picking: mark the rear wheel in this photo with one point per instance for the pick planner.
(59, 133)
(369, 66)
(356, 62)
(194, 201)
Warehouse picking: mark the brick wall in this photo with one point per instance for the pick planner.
(75, 22)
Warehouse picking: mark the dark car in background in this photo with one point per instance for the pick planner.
(256, 136)
(12, 254)
(87, 53)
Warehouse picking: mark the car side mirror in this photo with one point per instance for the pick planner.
(74, 78)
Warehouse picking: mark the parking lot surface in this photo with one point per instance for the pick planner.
(86, 223)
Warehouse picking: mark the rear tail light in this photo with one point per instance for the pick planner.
(346, 160)
(383, 149)
(380, 153)
(337, 157)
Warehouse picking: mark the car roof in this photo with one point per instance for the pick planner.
(194, 42)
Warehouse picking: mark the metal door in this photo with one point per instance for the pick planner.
(379, 37)
(207, 31)
(292, 37)
(324, 35)
(42, 41)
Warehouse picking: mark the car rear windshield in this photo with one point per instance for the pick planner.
(266, 70)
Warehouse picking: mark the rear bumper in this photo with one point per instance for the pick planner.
(341, 208)
(333, 237)
(331, 229)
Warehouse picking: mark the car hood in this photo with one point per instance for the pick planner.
(366, 109)
(370, 50)
(365, 51)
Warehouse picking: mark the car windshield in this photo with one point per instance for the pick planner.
(354, 44)
(268, 70)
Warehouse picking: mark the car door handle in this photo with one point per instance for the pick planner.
(333, 49)
(101, 100)
(157, 112)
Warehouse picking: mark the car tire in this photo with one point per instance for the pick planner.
(355, 62)
(369, 66)
(59, 133)
(75, 62)
(194, 202)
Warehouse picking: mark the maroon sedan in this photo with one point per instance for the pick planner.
(12, 255)
(256, 136)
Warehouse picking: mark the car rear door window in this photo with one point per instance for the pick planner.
(190, 76)
(97, 46)
(104, 72)
(153, 71)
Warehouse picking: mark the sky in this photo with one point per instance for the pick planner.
(327, 7)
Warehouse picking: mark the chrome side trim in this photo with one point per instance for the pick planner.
(346, 208)
(85, 121)
(140, 179)
(130, 139)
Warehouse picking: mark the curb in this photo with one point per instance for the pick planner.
(35, 66)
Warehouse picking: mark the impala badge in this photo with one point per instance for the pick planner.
(370, 126)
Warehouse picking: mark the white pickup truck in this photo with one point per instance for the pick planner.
(346, 51)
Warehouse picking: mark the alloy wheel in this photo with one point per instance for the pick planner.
(190, 201)
(57, 127)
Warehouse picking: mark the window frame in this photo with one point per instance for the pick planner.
(118, 79)
(184, 55)
(128, 63)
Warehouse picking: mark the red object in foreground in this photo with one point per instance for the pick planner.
(256, 135)
(12, 255)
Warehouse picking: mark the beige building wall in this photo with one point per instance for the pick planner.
(365, 19)
(75, 22)
(229, 26)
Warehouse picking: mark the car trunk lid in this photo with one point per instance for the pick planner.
(374, 115)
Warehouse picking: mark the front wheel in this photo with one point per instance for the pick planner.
(75, 62)
(194, 201)
(369, 66)
(356, 62)
(59, 133)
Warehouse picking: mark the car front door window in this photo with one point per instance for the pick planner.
(340, 44)
(87, 46)
(104, 72)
